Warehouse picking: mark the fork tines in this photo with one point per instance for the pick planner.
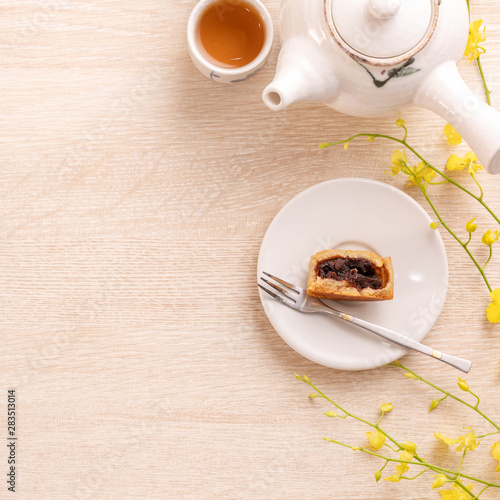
(286, 291)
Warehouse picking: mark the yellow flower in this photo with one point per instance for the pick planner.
(394, 478)
(454, 138)
(456, 493)
(469, 161)
(490, 237)
(400, 122)
(496, 454)
(440, 480)
(473, 49)
(407, 455)
(409, 446)
(398, 162)
(468, 442)
(423, 173)
(448, 441)
(377, 439)
(402, 467)
(386, 407)
(493, 311)
(470, 226)
(346, 145)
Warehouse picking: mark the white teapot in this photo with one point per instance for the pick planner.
(371, 58)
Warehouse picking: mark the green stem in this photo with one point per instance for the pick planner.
(473, 175)
(385, 465)
(477, 397)
(461, 463)
(415, 477)
(449, 473)
(359, 419)
(489, 434)
(450, 180)
(477, 410)
(450, 231)
(458, 483)
(442, 174)
(470, 239)
(489, 258)
(486, 89)
(406, 133)
(483, 490)
(437, 183)
(391, 448)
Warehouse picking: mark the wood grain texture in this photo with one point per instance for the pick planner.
(121, 166)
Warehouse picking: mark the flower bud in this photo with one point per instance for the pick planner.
(378, 475)
(386, 407)
(434, 404)
(330, 414)
(470, 226)
(440, 480)
(463, 385)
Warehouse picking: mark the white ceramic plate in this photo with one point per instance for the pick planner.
(356, 214)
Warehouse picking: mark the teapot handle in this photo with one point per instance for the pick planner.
(445, 93)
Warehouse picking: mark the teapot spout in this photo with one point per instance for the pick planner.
(304, 73)
(445, 93)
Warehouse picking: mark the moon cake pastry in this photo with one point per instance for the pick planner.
(350, 275)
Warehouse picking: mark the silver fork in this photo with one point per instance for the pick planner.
(295, 297)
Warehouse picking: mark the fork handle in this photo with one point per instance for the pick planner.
(396, 338)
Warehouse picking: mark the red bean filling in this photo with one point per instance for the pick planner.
(360, 273)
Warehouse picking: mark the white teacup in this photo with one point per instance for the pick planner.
(223, 74)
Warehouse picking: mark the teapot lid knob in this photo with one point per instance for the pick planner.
(384, 9)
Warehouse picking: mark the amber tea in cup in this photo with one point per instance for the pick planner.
(229, 41)
(230, 33)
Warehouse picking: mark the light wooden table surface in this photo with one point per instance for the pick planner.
(134, 195)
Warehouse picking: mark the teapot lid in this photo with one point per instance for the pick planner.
(382, 32)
